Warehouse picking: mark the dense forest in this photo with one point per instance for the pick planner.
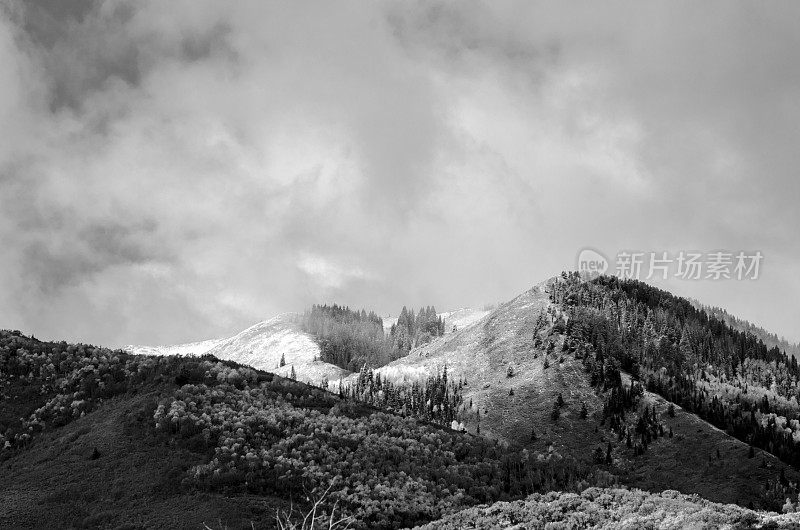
(726, 376)
(353, 339)
(413, 330)
(347, 338)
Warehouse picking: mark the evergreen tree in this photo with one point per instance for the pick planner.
(556, 413)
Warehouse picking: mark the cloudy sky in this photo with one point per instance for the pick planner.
(174, 171)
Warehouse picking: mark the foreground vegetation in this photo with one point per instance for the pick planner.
(600, 508)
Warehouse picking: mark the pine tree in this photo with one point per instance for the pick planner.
(584, 411)
(283, 361)
(556, 412)
(293, 375)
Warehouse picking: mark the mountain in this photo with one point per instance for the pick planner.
(262, 346)
(516, 361)
(573, 384)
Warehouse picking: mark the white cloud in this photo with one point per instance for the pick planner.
(328, 274)
(179, 170)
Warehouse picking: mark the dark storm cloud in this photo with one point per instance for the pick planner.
(178, 170)
(96, 248)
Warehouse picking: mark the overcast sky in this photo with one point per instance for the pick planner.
(175, 171)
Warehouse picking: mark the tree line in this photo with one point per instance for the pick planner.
(352, 339)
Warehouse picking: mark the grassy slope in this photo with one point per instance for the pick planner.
(688, 462)
(482, 353)
(135, 483)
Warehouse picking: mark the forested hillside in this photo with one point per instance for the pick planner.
(247, 433)
(728, 377)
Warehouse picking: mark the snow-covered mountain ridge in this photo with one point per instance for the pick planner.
(262, 346)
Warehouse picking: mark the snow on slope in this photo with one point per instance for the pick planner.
(190, 348)
(463, 350)
(261, 346)
(462, 318)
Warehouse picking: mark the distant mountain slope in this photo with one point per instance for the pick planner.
(768, 338)
(458, 318)
(262, 346)
(189, 348)
(605, 508)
